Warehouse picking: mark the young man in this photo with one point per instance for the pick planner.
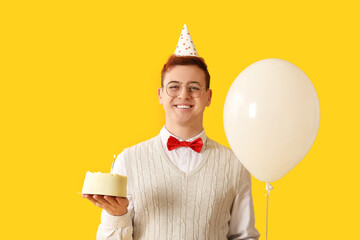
(181, 184)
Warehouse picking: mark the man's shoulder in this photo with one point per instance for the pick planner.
(228, 152)
(145, 143)
(214, 144)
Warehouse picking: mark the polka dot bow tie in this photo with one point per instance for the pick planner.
(195, 145)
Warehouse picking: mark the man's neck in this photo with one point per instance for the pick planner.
(184, 132)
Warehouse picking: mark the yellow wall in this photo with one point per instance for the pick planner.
(79, 81)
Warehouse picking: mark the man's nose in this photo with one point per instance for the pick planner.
(184, 93)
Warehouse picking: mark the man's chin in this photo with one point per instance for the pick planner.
(186, 122)
(181, 121)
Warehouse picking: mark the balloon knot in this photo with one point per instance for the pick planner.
(268, 187)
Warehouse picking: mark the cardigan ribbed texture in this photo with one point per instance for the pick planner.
(171, 204)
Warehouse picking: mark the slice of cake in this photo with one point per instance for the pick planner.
(105, 184)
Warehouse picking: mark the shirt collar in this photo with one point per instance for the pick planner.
(165, 134)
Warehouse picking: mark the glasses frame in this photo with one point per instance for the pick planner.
(181, 88)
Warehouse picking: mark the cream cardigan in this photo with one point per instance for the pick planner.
(171, 204)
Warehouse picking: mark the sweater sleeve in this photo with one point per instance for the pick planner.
(117, 227)
(242, 222)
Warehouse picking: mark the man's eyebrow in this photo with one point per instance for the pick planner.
(194, 82)
(173, 81)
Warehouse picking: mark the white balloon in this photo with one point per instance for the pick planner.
(271, 117)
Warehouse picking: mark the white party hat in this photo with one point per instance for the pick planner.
(185, 46)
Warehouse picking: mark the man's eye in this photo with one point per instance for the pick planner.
(174, 87)
(193, 88)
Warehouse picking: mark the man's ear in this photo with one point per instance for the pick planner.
(159, 92)
(209, 93)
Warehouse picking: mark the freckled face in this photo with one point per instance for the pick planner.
(184, 109)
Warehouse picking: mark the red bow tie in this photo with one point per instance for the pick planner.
(195, 145)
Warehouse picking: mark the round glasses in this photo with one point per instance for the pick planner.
(173, 89)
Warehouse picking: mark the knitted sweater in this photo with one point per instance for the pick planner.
(171, 204)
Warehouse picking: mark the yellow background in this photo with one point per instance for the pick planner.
(79, 82)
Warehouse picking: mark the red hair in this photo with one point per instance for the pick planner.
(185, 60)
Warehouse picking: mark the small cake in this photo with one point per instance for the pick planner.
(105, 184)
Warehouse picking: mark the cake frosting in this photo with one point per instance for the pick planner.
(105, 184)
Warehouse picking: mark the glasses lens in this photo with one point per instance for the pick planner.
(195, 90)
(173, 89)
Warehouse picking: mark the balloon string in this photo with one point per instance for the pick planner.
(268, 189)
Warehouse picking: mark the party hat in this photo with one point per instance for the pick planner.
(185, 46)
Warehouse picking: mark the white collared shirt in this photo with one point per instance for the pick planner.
(242, 222)
(183, 158)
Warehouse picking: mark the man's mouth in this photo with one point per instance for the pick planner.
(184, 106)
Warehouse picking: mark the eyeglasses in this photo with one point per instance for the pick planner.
(173, 89)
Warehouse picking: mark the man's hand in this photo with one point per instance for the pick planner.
(116, 206)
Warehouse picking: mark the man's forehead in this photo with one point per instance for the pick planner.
(185, 74)
(184, 82)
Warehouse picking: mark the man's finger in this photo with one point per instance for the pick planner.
(122, 201)
(100, 199)
(99, 205)
(111, 200)
(90, 198)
